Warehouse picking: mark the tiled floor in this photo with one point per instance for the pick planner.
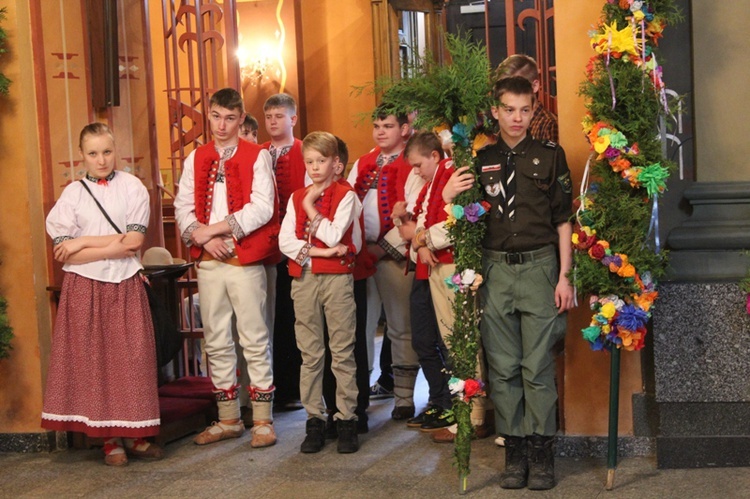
(393, 462)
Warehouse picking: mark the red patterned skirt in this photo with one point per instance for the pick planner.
(102, 378)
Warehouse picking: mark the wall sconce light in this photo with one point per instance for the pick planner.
(256, 68)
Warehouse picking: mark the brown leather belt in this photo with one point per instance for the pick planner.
(232, 260)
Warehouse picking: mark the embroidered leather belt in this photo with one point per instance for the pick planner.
(521, 257)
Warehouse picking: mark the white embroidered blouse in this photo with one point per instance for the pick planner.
(75, 214)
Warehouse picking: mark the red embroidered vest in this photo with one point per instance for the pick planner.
(364, 262)
(391, 185)
(261, 244)
(435, 212)
(290, 174)
(321, 265)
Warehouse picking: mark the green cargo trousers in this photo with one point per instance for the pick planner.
(519, 327)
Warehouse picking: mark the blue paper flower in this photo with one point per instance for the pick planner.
(460, 135)
(631, 317)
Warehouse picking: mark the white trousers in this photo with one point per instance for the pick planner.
(228, 291)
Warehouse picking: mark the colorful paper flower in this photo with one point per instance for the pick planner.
(457, 211)
(474, 212)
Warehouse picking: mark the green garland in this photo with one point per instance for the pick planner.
(4, 81)
(625, 98)
(6, 332)
(454, 97)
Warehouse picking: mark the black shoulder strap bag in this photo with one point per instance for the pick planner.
(168, 338)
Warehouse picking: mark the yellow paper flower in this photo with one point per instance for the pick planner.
(440, 128)
(608, 310)
(480, 141)
(626, 271)
(451, 220)
(614, 40)
(601, 144)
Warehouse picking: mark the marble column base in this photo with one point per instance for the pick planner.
(702, 387)
(33, 442)
(596, 447)
(702, 452)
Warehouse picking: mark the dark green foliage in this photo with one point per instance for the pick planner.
(455, 94)
(619, 212)
(444, 94)
(4, 81)
(6, 332)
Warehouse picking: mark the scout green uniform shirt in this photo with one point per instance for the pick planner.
(543, 194)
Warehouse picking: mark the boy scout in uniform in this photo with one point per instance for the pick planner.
(527, 254)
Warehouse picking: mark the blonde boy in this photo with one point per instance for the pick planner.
(316, 236)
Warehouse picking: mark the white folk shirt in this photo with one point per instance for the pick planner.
(75, 214)
(439, 232)
(414, 184)
(329, 232)
(253, 215)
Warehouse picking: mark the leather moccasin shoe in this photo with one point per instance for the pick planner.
(219, 431)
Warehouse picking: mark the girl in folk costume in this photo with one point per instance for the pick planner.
(316, 236)
(102, 377)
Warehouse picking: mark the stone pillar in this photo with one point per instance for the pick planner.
(702, 334)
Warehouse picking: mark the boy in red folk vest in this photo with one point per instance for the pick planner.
(424, 153)
(380, 179)
(431, 300)
(280, 114)
(227, 212)
(316, 236)
(364, 267)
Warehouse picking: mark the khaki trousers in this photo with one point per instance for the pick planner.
(394, 290)
(330, 298)
(442, 300)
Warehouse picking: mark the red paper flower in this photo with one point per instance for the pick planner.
(597, 252)
(471, 388)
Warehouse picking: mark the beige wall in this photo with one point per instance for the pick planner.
(23, 271)
(338, 55)
(720, 48)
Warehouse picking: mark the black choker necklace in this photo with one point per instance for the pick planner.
(95, 180)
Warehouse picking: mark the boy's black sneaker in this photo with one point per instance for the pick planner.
(443, 419)
(427, 415)
(348, 440)
(315, 436)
